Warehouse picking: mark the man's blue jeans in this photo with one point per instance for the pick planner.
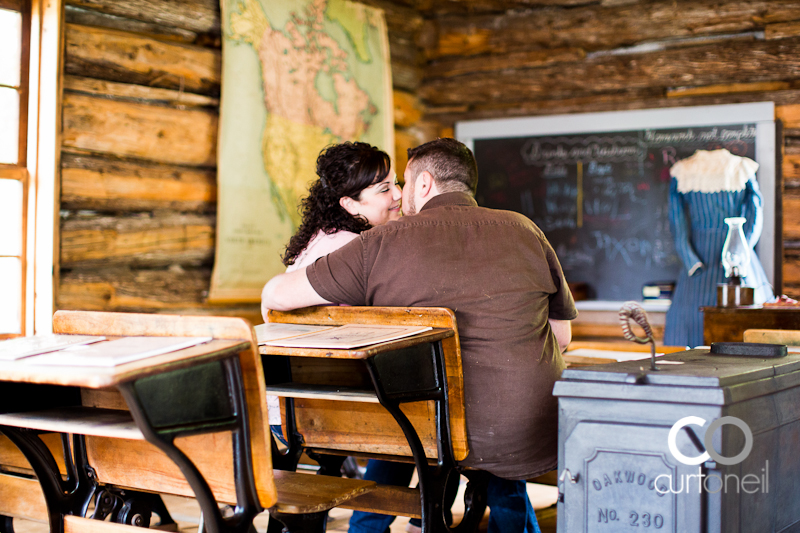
(510, 508)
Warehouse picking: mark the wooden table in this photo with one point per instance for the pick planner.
(728, 324)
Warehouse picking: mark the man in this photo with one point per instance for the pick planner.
(499, 274)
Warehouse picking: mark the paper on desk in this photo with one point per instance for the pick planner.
(117, 352)
(611, 354)
(273, 331)
(14, 349)
(350, 336)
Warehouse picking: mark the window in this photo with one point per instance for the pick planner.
(15, 33)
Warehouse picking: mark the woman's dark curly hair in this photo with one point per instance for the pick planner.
(344, 170)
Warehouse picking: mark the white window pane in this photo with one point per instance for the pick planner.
(10, 43)
(9, 125)
(10, 295)
(10, 217)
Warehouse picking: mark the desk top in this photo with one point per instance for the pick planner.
(365, 352)
(95, 377)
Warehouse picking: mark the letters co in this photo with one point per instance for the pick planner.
(710, 452)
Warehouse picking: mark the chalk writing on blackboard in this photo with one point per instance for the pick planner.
(601, 198)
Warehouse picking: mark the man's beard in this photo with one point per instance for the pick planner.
(411, 208)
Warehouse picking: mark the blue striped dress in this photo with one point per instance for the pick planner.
(696, 221)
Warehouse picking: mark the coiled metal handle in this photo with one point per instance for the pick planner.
(633, 311)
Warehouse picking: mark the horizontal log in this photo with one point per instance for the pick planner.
(86, 17)
(150, 132)
(791, 170)
(400, 19)
(137, 93)
(610, 100)
(174, 291)
(15, 5)
(201, 16)
(407, 109)
(406, 76)
(729, 62)
(100, 184)
(792, 291)
(405, 50)
(782, 30)
(789, 114)
(126, 57)
(683, 92)
(159, 240)
(791, 143)
(449, 7)
(598, 27)
(125, 289)
(404, 139)
(791, 218)
(605, 101)
(791, 271)
(465, 65)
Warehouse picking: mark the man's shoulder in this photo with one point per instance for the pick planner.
(456, 216)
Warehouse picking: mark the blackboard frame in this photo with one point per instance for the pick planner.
(762, 114)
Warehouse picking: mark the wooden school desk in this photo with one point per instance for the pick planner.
(398, 400)
(203, 408)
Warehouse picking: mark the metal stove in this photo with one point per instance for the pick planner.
(618, 473)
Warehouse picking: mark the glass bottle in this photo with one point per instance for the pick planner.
(735, 251)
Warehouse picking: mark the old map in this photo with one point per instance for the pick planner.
(297, 76)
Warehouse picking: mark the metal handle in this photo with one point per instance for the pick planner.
(633, 311)
(566, 475)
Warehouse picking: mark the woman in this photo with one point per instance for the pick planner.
(356, 190)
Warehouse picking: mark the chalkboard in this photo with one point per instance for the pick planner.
(601, 198)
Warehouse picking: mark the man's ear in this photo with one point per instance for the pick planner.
(426, 184)
(349, 205)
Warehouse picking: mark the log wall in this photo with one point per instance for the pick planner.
(503, 58)
(142, 81)
(138, 164)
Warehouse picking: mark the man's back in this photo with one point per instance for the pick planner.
(499, 274)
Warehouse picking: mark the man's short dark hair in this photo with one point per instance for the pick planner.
(450, 162)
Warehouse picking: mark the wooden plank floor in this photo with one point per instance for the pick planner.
(186, 513)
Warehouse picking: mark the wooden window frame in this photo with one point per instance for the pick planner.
(39, 158)
(19, 171)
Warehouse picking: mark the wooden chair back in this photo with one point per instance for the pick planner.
(789, 337)
(366, 428)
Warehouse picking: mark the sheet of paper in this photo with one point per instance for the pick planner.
(272, 331)
(611, 354)
(350, 336)
(116, 352)
(14, 349)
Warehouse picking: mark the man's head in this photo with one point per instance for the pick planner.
(443, 165)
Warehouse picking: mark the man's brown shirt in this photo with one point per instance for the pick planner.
(500, 275)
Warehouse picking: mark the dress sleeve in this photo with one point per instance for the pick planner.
(679, 225)
(753, 211)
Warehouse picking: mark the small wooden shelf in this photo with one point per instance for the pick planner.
(78, 420)
(322, 392)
